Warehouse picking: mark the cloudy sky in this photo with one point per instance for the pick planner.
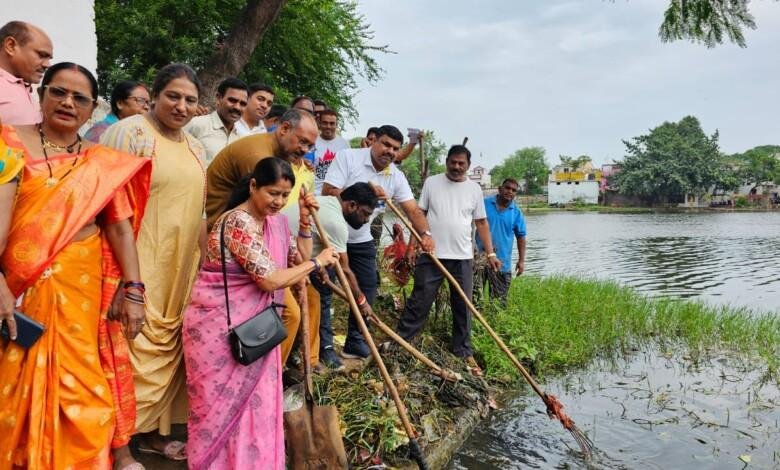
(574, 77)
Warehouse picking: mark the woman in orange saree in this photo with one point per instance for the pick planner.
(64, 248)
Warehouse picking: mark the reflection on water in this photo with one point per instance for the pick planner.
(654, 411)
(725, 258)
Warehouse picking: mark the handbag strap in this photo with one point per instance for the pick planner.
(224, 268)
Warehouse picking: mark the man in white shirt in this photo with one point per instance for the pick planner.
(217, 129)
(451, 202)
(261, 98)
(372, 165)
(327, 146)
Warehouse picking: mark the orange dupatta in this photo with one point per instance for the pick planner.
(46, 219)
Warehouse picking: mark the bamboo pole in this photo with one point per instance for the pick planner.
(554, 407)
(437, 370)
(414, 446)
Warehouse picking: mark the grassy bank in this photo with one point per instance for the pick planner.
(556, 323)
(553, 324)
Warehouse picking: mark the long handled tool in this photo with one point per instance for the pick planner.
(414, 447)
(554, 406)
(445, 374)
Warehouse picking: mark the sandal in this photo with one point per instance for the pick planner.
(173, 450)
(472, 366)
(134, 466)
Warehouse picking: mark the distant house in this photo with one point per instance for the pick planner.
(480, 175)
(566, 185)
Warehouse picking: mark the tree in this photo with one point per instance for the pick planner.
(574, 163)
(314, 47)
(527, 163)
(758, 165)
(674, 159)
(707, 21)
(434, 151)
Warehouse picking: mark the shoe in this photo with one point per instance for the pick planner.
(329, 358)
(355, 349)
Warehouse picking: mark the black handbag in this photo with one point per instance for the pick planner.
(252, 339)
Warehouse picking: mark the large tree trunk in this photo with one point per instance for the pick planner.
(236, 50)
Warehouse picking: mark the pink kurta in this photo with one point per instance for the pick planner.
(17, 106)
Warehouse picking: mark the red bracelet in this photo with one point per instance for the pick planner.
(361, 300)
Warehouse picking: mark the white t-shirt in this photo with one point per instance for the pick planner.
(451, 208)
(353, 166)
(332, 220)
(323, 157)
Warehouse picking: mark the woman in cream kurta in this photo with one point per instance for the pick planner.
(169, 253)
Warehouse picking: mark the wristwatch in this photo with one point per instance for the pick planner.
(492, 255)
(428, 232)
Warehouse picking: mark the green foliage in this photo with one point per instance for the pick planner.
(707, 21)
(573, 162)
(527, 163)
(546, 317)
(673, 160)
(434, 151)
(315, 47)
(758, 165)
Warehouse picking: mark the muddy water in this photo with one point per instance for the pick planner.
(653, 410)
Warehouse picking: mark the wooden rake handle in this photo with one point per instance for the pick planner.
(455, 285)
(402, 413)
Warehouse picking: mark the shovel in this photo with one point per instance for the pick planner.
(312, 431)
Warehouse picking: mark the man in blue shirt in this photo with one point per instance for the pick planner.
(506, 223)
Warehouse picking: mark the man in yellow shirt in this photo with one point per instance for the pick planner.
(291, 140)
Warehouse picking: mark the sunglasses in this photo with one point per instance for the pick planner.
(60, 94)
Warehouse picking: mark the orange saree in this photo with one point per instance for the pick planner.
(69, 399)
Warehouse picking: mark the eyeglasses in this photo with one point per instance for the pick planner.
(139, 100)
(60, 94)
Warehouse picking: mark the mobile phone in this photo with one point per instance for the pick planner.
(27, 330)
(414, 134)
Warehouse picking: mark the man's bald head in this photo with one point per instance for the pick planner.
(297, 133)
(25, 50)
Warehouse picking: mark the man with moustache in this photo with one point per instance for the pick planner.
(295, 136)
(372, 165)
(352, 209)
(328, 145)
(218, 128)
(25, 53)
(261, 99)
(450, 202)
(506, 224)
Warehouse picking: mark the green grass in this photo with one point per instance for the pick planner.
(556, 323)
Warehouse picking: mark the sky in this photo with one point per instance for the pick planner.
(574, 77)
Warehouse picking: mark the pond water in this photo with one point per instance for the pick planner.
(725, 258)
(653, 409)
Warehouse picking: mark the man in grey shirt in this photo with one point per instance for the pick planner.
(352, 208)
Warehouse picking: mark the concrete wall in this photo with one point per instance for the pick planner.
(69, 23)
(565, 192)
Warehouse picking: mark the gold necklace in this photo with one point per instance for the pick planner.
(45, 142)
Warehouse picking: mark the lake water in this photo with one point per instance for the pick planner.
(725, 258)
(654, 409)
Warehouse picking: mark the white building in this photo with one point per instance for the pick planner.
(566, 185)
(480, 175)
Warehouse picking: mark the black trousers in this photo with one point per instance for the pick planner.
(362, 262)
(427, 280)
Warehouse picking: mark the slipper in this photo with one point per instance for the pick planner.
(472, 366)
(173, 450)
(134, 466)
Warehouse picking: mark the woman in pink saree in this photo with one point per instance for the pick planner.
(235, 416)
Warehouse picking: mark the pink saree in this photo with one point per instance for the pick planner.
(235, 418)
